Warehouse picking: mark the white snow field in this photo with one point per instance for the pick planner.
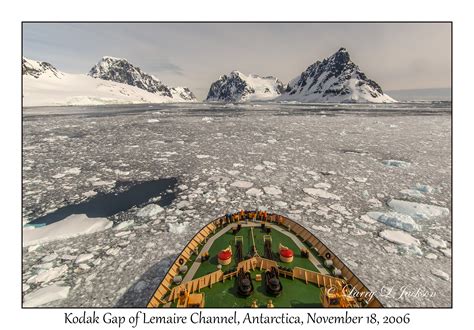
(320, 164)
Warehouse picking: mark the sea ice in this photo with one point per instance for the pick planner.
(412, 193)
(149, 210)
(396, 163)
(89, 193)
(446, 252)
(73, 171)
(50, 274)
(436, 243)
(399, 237)
(83, 258)
(50, 257)
(124, 224)
(272, 190)
(424, 188)
(418, 210)
(321, 193)
(177, 228)
(431, 256)
(439, 273)
(254, 192)
(73, 225)
(322, 185)
(410, 249)
(396, 220)
(340, 208)
(45, 295)
(242, 184)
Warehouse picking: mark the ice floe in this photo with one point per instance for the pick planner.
(399, 237)
(254, 192)
(50, 257)
(272, 190)
(411, 249)
(359, 179)
(412, 193)
(73, 171)
(83, 258)
(431, 256)
(418, 211)
(439, 273)
(396, 220)
(89, 193)
(436, 243)
(45, 295)
(396, 163)
(124, 224)
(322, 185)
(424, 188)
(321, 193)
(177, 228)
(73, 225)
(242, 184)
(149, 210)
(446, 252)
(49, 275)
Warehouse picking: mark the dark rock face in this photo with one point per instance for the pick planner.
(228, 88)
(36, 69)
(236, 87)
(120, 70)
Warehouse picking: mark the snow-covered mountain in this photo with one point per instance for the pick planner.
(238, 87)
(38, 69)
(122, 71)
(44, 85)
(335, 79)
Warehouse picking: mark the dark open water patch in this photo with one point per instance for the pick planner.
(124, 196)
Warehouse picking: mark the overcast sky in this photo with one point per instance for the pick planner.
(396, 55)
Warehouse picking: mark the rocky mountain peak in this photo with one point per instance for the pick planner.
(239, 87)
(122, 71)
(335, 79)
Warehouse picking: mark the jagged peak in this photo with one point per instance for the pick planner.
(341, 56)
(112, 58)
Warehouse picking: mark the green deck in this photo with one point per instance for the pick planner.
(296, 293)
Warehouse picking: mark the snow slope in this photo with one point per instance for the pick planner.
(44, 85)
(239, 87)
(335, 79)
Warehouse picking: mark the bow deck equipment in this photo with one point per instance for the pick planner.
(256, 259)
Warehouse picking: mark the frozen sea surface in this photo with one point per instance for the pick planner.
(322, 165)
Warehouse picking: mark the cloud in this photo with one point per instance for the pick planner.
(165, 66)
